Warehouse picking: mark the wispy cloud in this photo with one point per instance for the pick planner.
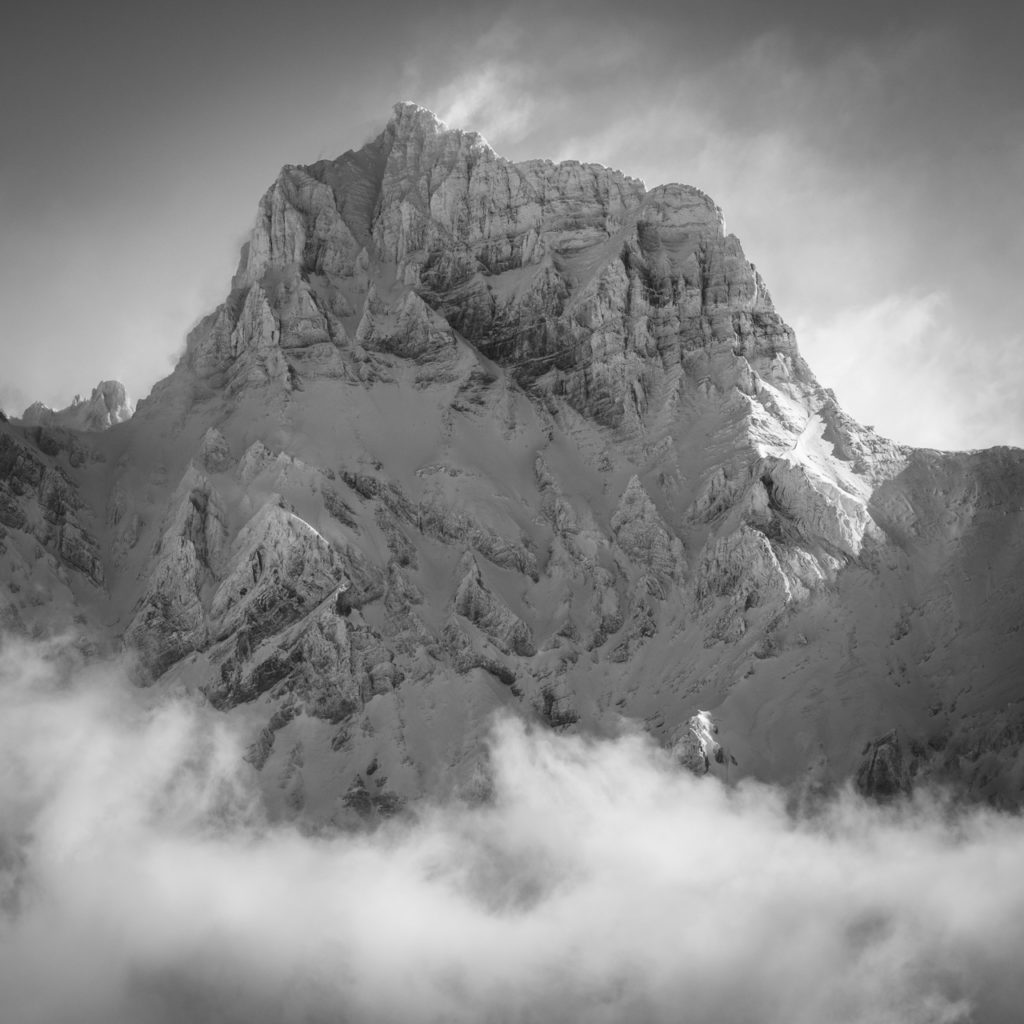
(904, 364)
(140, 881)
(492, 93)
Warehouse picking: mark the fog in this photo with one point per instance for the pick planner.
(140, 881)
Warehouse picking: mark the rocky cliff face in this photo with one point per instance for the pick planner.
(470, 435)
(52, 564)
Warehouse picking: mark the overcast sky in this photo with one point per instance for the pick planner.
(869, 156)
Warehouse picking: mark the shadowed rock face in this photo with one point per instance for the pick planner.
(470, 435)
(43, 519)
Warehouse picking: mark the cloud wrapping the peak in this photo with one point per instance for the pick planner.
(140, 881)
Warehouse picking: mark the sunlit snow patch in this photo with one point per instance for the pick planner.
(702, 726)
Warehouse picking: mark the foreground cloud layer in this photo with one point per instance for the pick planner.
(141, 882)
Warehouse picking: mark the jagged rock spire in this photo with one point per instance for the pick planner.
(107, 405)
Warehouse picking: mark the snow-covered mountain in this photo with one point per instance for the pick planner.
(467, 435)
(108, 404)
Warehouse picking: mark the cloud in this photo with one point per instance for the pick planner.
(141, 881)
(492, 95)
(530, 82)
(905, 365)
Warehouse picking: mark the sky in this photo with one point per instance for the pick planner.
(869, 156)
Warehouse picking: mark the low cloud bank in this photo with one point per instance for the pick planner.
(140, 882)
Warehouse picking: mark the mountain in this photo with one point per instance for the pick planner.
(108, 404)
(469, 435)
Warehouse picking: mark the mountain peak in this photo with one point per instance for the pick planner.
(107, 405)
(408, 112)
(469, 434)
(410, 120)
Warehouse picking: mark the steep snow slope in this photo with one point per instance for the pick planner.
(469, 435)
